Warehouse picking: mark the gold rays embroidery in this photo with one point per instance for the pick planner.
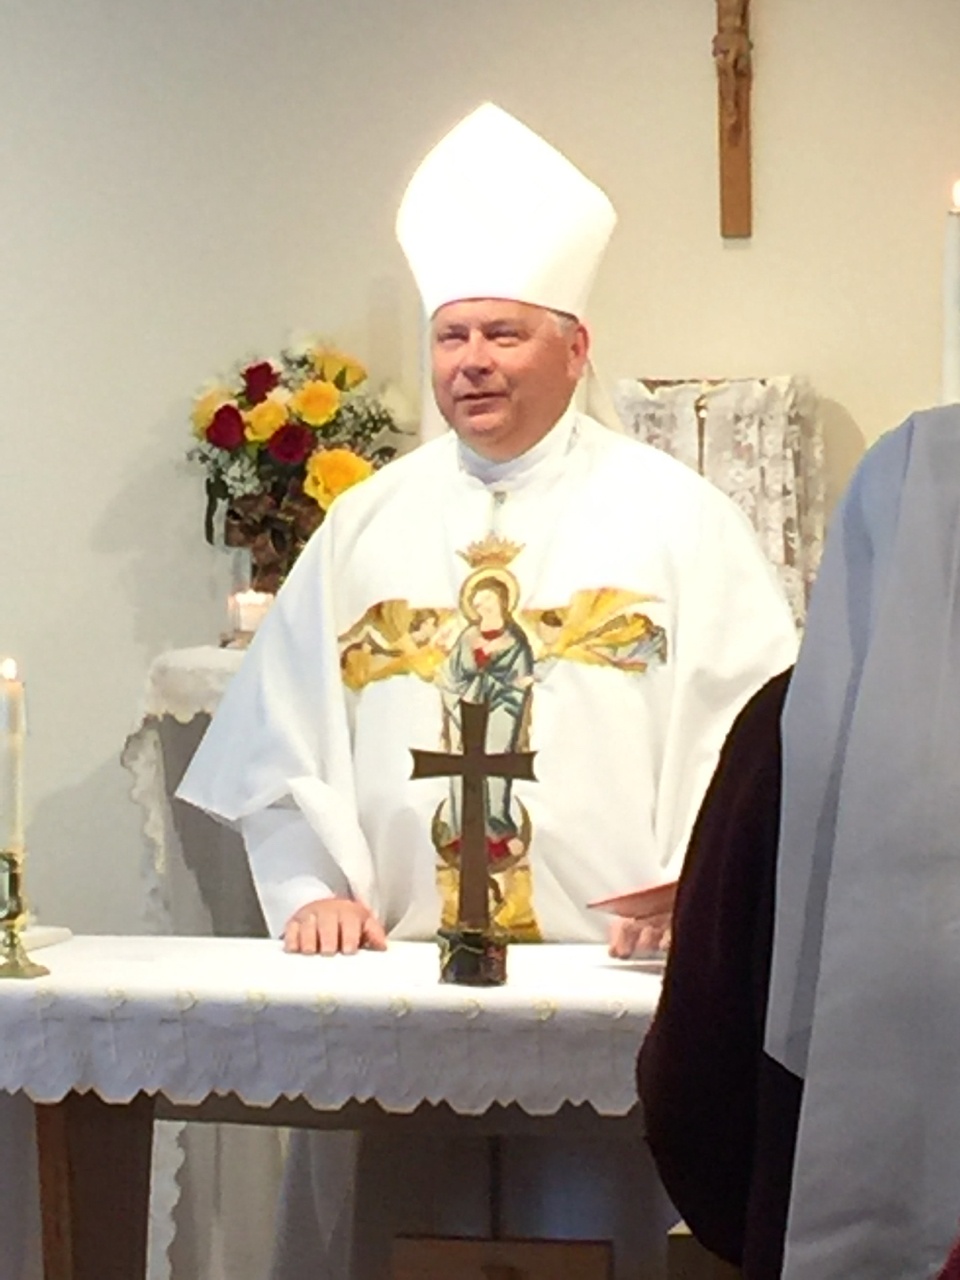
(395, 639)
(601, 626)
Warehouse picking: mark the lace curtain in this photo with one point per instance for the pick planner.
(757, 439)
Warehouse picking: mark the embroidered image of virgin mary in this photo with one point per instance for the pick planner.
(487, 650)
(492, 662)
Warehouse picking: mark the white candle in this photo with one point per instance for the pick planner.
(950, 389)
(249, 608)
(12, 731)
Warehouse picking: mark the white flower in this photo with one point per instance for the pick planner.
(300, 344)
(240, 476)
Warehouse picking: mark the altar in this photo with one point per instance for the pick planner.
(214, 1186)
(235, 1029)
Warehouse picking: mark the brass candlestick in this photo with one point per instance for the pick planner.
(14, 961)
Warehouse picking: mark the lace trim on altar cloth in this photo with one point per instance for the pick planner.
(143, 759)
(167, 1160)
(184, 683)
(760, 441)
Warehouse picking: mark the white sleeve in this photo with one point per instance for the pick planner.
(289, 864)
(281, 737)
(734, 631)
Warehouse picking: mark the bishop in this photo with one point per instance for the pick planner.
(614, 615)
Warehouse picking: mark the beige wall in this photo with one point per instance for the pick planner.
(183, 182)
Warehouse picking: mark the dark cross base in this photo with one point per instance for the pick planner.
(474, 952)
(472, 958)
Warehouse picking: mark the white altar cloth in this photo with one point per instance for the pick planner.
(190, 1017)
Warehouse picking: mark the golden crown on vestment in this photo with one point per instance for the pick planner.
(491, 552)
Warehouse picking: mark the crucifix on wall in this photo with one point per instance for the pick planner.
(732, 53)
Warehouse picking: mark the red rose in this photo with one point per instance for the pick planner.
(226, 428)
(258, 381)
(291, 443)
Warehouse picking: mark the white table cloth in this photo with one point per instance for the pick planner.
(193, 1016)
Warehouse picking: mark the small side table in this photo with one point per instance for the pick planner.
(214, 1187)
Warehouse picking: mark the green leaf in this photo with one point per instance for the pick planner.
(216, 492)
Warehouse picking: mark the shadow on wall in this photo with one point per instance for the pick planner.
(208, 883)
(844, 446)
(67, 882)
(176, 585)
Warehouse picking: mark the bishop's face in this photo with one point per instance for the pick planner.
(504, 372)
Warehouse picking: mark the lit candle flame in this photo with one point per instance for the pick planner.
(956, 196)
(8, 669)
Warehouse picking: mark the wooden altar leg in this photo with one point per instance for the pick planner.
(94, 1186)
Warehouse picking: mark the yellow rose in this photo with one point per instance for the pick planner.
(332, 471)
(334, 366)
(315, 403)
(205, 406)
(264, 419)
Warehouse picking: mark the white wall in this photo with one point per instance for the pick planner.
(184, 181)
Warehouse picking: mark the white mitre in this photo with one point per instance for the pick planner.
(493, 211)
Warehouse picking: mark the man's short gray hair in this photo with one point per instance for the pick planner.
(564, 321)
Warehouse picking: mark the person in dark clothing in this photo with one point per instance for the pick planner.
(801, 1078)
(721, 1116)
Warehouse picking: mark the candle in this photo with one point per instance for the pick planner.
(248, 609)
(12, 729)
(950, 391)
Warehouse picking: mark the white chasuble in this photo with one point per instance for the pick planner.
(610, 607)
(614, 612)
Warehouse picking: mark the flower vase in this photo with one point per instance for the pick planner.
(273, 528)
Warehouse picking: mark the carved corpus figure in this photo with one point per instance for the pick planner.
(732, 53)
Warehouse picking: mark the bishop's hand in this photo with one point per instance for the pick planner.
(639, 936)
(334, 925)
(643, 920)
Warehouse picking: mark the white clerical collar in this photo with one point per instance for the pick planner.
(544, 457)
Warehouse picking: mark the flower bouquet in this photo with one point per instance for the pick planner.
(280, 439)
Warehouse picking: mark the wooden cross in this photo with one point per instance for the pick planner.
(474, 766)
(732, 53)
